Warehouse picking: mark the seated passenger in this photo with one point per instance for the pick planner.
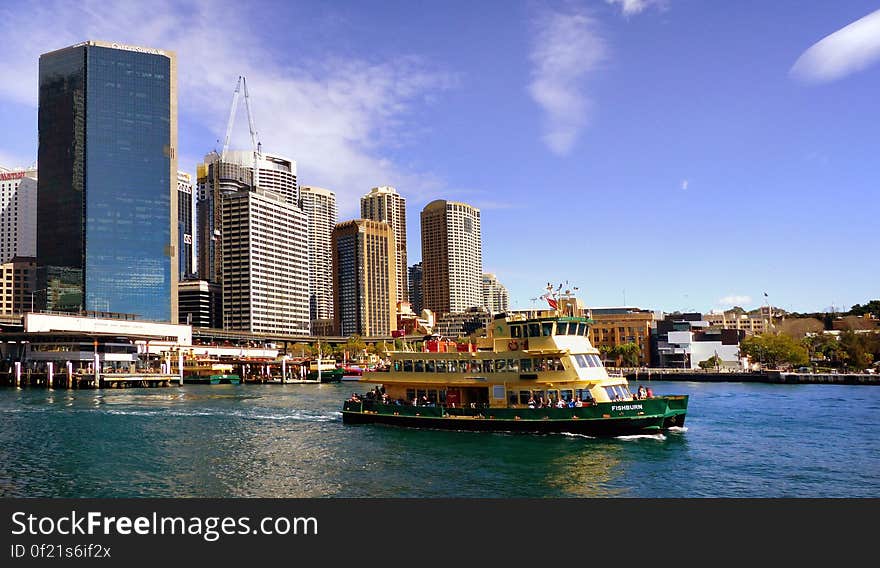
(578, 403)
(561, 403)
(532, 402)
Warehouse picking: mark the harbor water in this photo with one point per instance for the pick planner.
(741, 440)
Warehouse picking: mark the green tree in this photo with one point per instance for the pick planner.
(628, 354)
(354, 347)
(712, 362)
(858, 348)
(774, 351)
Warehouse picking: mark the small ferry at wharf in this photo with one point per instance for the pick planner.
(535, 374)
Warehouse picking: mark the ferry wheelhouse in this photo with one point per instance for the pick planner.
(529, 374)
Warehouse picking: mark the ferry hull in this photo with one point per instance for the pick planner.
(601, 420)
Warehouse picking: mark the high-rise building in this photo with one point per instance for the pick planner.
(495, 296)
(224, 175)
(18, 213)
(385, 204)
(452, 257)
(319, 206)
(200, 303)
(17, 288)
(415, 288)
(185, 222)
(107, 199)
(265, 264)
(365, 278)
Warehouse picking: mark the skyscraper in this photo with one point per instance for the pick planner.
(185, 221)
(385, 204)
(319, 206)
(107, 199)
(18, 213)
(365, 278)
(495, 296)
(452, 257)
(415, 288)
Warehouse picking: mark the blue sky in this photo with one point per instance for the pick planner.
(678, 154)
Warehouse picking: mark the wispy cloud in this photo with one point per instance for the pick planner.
(338, 118)
(632, 7)
(684, 184)
(567, 47)
(846, 51)
(734, 300)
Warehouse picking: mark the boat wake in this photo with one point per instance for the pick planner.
(573, 435)
(678, 429)
(258, 414)
(658, 437)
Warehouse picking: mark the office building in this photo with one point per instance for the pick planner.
(365, 278)
(185, 224)
(18, 213)
(495, 296)
(415, 288)
(265, 273)
(613, 327)
(319, 206)
(452, 257)
(107, 184)
(383, 203)
(18, 286)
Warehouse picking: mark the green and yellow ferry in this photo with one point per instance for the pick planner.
(535, 374)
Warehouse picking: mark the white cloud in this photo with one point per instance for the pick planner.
(565, 49)
(846, 51)
(632, 7)
(684, 184)
(12, 161)
(335, 117)
(734, 300)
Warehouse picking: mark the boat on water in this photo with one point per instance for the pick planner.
(209, 373)
(536, 374)
(324, 371)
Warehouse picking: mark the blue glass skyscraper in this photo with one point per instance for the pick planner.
(107, 207)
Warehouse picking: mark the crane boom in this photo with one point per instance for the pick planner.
(232, 112)
(257, 146)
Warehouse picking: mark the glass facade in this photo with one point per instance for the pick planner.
(105, 211)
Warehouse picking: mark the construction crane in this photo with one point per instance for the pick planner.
(257, 146)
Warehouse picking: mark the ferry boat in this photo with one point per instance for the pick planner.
(329, 371)
(513, 380)
(209, 373)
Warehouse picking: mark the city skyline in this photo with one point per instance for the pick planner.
(661, 159)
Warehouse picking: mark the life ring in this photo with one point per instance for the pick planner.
(513, 345)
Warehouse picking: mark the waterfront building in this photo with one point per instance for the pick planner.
(365, 278)
(452, 257)
(495, 296)
(754, 322)
(383, 203)
(265, 272)
(319, 206)
(612, 327)
(463, 324)
(185, 223)
(218, 176)
(18, 213)
(415, 288)
(18, 286)
(200, 303)
(684, 341)
(107, 184)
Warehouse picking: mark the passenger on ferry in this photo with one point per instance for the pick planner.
(532, 403)
(642, 392)
(649, 393)
(578, 403)
(561, 403)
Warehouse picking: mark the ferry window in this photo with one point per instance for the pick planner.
(420, 393)
(566, 395)
(410, 395)
(554, 394)
(555, 364)
(407, 366)
(488, 365)
(513, 365)
(498, 391)
(441, 366)
(397, 365)
(442, 397)
(524, 397)
(516, 331)
(539, 365)
(463, 366)
(581, 360)
(500, 365)
(561, 328)
(451, 366)
(512, 398)
(538, 396)
(547, 328)
(582, 329)
(585, 395)
(596, 361)
(525, 365)
(476, 366)
(429, 366)
(534, 330)
(612, 394)
(419, 366)
(432, 395)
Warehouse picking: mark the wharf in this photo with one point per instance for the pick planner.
(87, 380)
(772, 377)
